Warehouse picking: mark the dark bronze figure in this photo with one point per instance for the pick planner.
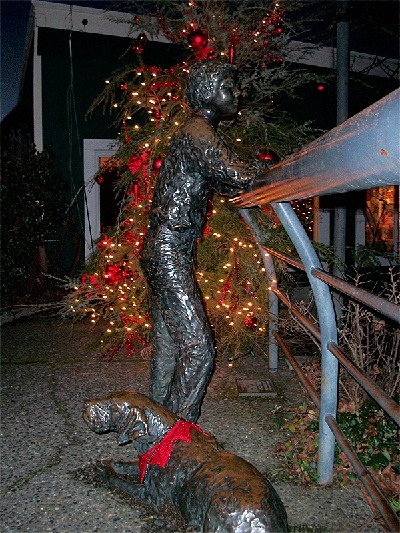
(182, 466)
(198, 164)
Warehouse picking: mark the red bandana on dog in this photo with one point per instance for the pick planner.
(160, 453)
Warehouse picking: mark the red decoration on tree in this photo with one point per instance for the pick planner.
(134, 164)
(207, 231)
(135, 192)
(130, 236)
(234, 39)
(91, 280)
(139, 43)
(138, 164)
(205, 53)
(104, 242)
(269, 156)
(113, 274)
(108, 172)
(226, 287)
(157, 163)
(250, 322)
(198, 39)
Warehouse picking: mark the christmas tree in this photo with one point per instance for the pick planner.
(149, 100)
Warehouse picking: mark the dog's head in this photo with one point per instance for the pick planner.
(131, 415)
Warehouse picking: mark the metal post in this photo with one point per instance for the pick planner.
(396, 224)
(342, 63)
(272, 298)
(326, 316)
(339, 245)
(342, 98)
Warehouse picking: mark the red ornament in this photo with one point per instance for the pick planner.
(114, 274)
(198, 39)
(135, 192)
(157, 163)
(129, 345)
(231, 53)
(138, 164)
(207, 231)
(250, 322)
(139, 43)
(269, 156)
(130, 236)
(104, 242)
(134, 163)
(86, 278)
(234, 39)
(108, 172)
(205, 53)
(226, 287)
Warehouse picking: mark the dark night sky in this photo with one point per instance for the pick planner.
(375, 30)
(14, 19)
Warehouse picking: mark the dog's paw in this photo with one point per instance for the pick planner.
(123, 469)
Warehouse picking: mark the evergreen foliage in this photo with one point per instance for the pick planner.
(32, 206)
(148, 101)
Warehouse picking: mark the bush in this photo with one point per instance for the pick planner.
(32, 203)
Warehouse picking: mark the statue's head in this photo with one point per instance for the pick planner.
(205, 79)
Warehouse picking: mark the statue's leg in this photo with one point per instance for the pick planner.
(187, 321)
(128, 469)
(164, 354)
(183, 343)
(123, 476)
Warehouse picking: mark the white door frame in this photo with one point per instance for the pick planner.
(93, 149)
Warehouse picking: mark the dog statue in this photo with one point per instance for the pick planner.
(182, 466)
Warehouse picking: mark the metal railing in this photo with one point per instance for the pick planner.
(361, 153)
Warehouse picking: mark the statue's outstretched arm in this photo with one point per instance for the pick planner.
(228, 173)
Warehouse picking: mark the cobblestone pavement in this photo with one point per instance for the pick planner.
(50, 366)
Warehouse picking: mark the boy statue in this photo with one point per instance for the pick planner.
(198, 164)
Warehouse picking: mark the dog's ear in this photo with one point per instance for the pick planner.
(134, 427)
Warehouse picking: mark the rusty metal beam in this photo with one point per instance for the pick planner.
(378, 303)
(380, 396)
(300, 374)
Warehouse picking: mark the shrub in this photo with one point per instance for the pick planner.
(31, 209)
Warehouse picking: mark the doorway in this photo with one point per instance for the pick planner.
(100, 202)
